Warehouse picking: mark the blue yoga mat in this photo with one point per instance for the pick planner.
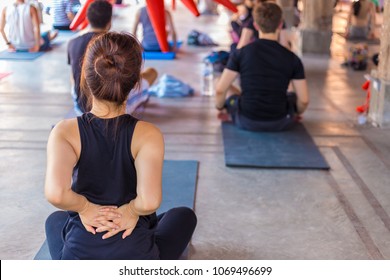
(159, 55)
(179, 187)
(163, 55)
(293, 149)
(6, 55)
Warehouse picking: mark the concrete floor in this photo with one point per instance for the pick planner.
(242, 213)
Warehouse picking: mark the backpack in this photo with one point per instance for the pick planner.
(218, 59)
(357, 57)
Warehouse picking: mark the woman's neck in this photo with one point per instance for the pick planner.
(106, 109)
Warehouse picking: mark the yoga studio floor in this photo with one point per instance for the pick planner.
(243, 213)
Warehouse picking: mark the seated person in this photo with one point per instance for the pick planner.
(248, 32)
(149, 39)
(266, 69)
(99, 15)
(104, 169)
(63, 12)
(361, 20)
(239, 20)
(24, 28)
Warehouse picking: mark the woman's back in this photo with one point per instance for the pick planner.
(362, 10)
(105, 174)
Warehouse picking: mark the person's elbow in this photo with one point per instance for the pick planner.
(302, 105)
(150, 203)
(55, 196)
(55, 191)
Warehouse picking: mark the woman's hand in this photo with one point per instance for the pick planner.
(126, 222)
(95, 216)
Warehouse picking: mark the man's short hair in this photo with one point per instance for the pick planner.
(267, 16)
(99, 14)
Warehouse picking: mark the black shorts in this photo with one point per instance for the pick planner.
(232, 106)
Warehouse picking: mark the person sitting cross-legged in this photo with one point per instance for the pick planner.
(99, 15)
(24, 32)
(266, 68)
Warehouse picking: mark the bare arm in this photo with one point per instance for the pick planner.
(302, 92)
(349, 19)
(245, 38)
(227, 78)
(171, 29)
(136, 22)
(147, 149)
(37, 29)
(2, 25)
(373, 20)
(149, 157)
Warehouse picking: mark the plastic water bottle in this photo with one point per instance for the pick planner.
(208, 79)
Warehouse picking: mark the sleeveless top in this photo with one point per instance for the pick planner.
(149, 41)
(105, 174)
(21, 29)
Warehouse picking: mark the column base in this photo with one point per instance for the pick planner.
(379, 111)
(317, 42)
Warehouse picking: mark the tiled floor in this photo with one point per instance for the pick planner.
(242, 213)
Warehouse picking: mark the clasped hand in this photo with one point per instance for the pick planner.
(109, 219)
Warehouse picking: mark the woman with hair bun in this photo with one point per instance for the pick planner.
(105, 169)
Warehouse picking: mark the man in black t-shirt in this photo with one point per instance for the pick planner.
(99, 15)
(266, 69)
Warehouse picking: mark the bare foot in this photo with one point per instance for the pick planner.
(224, 116)
(53, 34)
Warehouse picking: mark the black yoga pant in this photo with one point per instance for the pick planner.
(174, 231)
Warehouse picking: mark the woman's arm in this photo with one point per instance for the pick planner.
(349, 20)
(172, 29)
(372, 20)
(245, 38)
(37, 29)
(148, 152)
(147, 149)
(136, 22)
(61, 158)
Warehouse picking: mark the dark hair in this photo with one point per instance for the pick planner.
(111, 67)
(267, 16)
(99, 13)
(356, 8)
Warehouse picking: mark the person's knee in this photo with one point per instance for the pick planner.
(55, 219)
(150, 74)
(187, 215)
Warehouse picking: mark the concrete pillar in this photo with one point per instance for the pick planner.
(288, 12)
(379, 112)
(317, 26)
(208, 7)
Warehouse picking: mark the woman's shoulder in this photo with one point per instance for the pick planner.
(65, 129)
(146, 128)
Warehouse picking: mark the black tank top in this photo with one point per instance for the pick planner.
(105, 174)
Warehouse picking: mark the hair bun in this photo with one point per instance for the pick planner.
(108, 65)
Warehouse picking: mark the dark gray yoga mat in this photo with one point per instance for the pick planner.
(371, 41)
(179, 187)
(294, 149)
